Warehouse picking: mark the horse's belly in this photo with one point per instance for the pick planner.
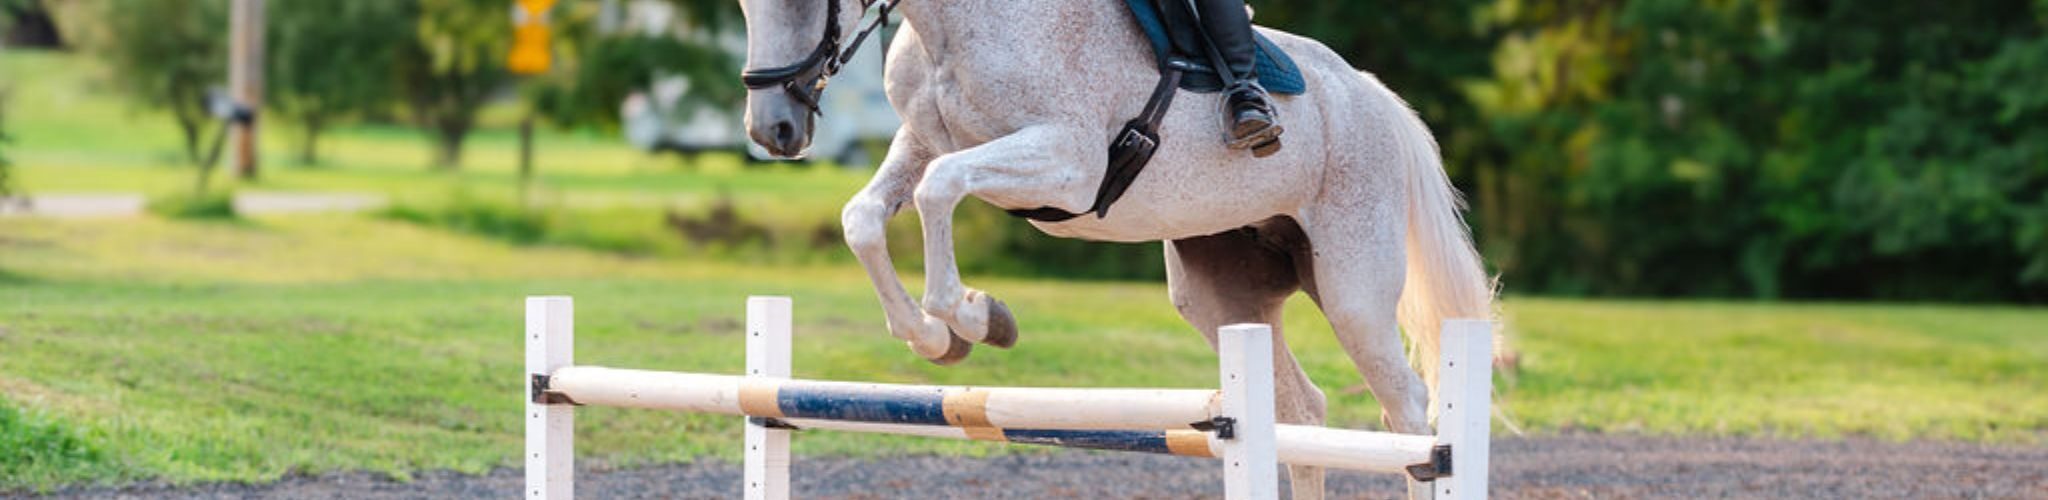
(1195, 191)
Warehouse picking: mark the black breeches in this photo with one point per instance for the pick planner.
(1231, 29)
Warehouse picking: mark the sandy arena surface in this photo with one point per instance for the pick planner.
(1578, 466)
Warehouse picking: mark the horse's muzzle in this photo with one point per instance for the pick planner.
(779, 125)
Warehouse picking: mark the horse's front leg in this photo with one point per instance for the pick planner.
(1029, 166)
(865, 220)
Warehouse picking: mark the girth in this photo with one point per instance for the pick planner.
(1128, 152)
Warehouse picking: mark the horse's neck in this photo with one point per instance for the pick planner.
(1010, 29)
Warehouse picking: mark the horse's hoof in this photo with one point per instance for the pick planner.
(1002, 327)
(955, 351)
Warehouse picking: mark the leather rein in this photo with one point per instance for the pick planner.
(805, 80)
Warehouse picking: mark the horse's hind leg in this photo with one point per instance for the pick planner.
(1240, 277)
(1356, 279)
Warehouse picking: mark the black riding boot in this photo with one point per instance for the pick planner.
(1254, 124)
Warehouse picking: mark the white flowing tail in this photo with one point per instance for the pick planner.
(1445, 278)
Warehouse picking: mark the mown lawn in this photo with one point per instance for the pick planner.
(244, 351)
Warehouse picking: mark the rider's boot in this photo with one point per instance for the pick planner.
(1254, 124)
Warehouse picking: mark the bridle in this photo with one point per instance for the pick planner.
(805, 80)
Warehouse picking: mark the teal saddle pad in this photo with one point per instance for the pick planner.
(1276, 70)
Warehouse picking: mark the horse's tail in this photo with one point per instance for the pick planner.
(1445, 278)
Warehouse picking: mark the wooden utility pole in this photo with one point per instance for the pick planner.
(245, 81)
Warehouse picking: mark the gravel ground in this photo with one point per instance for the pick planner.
(1582, 466)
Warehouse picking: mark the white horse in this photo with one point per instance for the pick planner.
(1015, 103)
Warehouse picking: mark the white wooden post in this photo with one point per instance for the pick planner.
(769, 325)
(1465, 407)
(550, 428)
(1250, 460)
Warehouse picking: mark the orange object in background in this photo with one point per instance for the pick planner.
(530, 33)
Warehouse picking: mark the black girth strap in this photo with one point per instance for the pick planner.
(1128, 153)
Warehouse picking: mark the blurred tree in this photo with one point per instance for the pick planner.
(6, 167)
(1759, 148)
(165, 54)
(602, 68)
(329, 60)
(455, 61)
(27, 23)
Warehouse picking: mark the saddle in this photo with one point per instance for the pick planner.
(1185, 63)
(1178, 45)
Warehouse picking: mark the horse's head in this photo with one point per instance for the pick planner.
(792, 47)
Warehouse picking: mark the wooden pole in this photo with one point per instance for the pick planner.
(1464, 407)
(767, 457)
(993, 407)
(550, 426)
(245, 81)
(1251, 459)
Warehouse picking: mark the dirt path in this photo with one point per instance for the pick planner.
(111, 205)
(1584, 466)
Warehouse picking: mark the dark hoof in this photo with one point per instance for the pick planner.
(955, 351)
(1002, 327)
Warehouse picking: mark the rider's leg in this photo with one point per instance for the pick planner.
(1253, 122)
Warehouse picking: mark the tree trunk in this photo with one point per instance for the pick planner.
(449, 138)
(525, 158)
(190, 128)
(309, 150)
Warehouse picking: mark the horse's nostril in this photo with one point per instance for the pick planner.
(785, 132)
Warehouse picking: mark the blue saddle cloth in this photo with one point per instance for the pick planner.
(1276, 70)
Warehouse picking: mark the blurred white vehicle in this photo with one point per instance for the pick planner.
(857, 114)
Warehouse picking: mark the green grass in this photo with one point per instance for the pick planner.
(242, 352)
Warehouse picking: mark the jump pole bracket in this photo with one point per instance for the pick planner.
(538, 393)
(1439, 465)
(1224, 427)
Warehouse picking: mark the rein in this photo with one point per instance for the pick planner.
(805, 80)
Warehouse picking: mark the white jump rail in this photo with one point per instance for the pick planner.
(1234, 423)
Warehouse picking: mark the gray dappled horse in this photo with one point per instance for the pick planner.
(1014, 102)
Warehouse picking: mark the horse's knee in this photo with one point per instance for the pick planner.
(939, 191)
(864, 222)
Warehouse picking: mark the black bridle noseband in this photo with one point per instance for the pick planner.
(805, 80)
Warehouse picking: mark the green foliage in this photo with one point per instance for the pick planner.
(1764, 149)
(6, 167)
(454, 61)
(598, 70)
(164, 55)
(328, 60)
(41, 451)
(611, 68)
(466, 214)
(202, 206)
